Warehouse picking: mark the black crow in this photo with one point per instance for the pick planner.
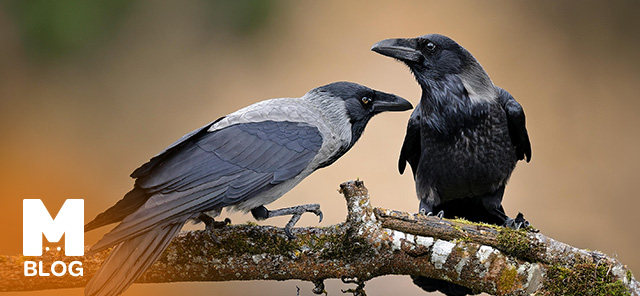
(463, 139)
(242, 161)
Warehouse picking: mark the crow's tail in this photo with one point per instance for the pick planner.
(128, 260)
(131, 202)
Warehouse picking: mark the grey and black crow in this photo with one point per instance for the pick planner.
(463, 139)
(242, 161)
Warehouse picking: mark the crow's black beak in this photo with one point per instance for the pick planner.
(401, 49)
(390, 102)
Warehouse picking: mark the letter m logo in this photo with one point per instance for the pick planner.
(37, 221)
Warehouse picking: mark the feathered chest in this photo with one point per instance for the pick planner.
(475, 147)
(482, 125)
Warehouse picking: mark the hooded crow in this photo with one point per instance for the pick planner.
(241, 161)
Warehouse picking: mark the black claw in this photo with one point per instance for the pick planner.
(211, 223)
(513, 224)
(518, 222)
(429, 214)
(290, 235)
(510, 223)
(318, 213)
(440, 214)
(518, 225)
(520, 218)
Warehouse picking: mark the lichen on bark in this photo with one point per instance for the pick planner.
(371, 242)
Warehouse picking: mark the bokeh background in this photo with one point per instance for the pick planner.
(89, 90)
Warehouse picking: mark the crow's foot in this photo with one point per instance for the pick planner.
(511, 223)
(295, 212)
(211, 224)
(517, 223)
(430, 214)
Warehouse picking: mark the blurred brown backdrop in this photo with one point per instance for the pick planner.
(89, 90)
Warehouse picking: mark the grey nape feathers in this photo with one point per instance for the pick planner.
(242, 161)
(463, 139)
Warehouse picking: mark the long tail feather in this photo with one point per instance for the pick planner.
(133, 200)
(129, 260)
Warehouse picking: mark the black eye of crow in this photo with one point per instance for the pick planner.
(431, 45)
(366, 100)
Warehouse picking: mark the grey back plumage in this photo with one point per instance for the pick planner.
(211, 170)
(242, 161)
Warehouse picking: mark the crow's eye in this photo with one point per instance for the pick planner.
(366, 100)
(431, 46)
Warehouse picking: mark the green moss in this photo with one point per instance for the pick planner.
(467, 222)
(507, 280)
(252, 240)
(583, 279)
(255, 241)
(462, 233)
(247, 240)
(629, 275)
(516, 242)
(462, 239)
(346, 247)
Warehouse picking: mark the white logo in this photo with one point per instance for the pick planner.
(37, 221)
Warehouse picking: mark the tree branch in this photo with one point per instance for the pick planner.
(370, 243)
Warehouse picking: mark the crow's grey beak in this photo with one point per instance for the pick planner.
(401, 49)
(390, 102)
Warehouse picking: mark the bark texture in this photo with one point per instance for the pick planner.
(370, 243)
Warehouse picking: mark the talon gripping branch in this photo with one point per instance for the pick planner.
(244, 160)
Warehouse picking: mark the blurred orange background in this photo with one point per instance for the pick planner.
(90, 90)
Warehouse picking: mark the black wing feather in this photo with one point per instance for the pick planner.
(411, 147)
(224, 167)
(517, 125)
(167, 152)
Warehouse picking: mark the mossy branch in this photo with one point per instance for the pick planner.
(370, 243)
